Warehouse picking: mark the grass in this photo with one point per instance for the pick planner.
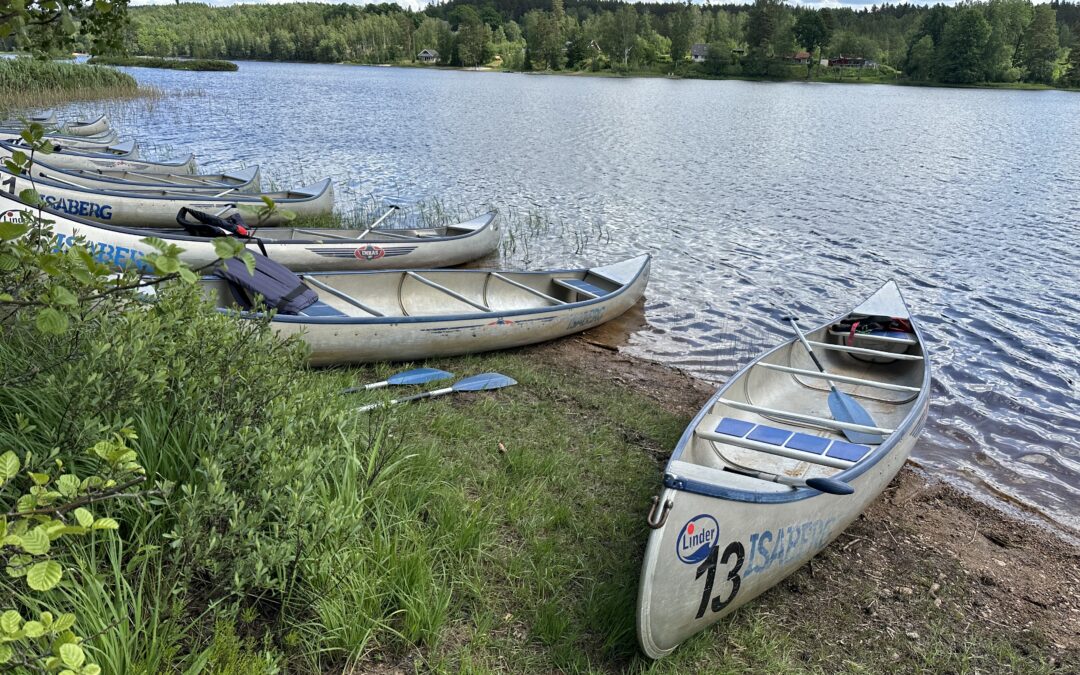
(170, 64)
(27, 83)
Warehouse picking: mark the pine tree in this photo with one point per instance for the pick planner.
(1071, 78)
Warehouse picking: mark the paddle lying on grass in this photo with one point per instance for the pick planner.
(416, 376)
(842, 406)
(474, 383)
(827, 485)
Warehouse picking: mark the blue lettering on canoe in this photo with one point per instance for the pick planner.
(74, 207)
(775, 548)
(107, 254)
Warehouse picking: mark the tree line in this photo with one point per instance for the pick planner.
(992, 41)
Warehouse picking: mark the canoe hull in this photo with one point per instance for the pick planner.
(728, 537)
(103, 162)
(246, 181)
(758, 546)
(123, 247)
(142, 209)
(414, 339)
(98, 126)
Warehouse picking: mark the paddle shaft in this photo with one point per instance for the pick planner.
(809, 349)
(366, 387)
(393, 207)
(414, 397)
(826, 485)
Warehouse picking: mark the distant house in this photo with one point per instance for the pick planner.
(428, 56)
(801, 58)
(852, 62)
(699, 52)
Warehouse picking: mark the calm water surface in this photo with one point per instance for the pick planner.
(752, 197)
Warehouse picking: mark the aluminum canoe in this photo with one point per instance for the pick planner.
(247, 180)
(722, 537)
(296, 248)
(366, 317)
(83, 128)
(46, 119)
(118, 160)
(89, 143)
(146, 208)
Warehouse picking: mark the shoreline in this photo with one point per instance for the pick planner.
(646, 74)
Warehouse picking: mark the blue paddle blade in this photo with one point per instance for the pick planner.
(419, 376)
(830, 486)
(846, 409)
(484, 381)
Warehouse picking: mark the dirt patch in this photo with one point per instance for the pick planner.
(923, 555)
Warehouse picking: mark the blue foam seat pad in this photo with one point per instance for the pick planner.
(580, 285)
(320, 308)
(808, 443)
(849, 451)
(770, 435)
(733, 427)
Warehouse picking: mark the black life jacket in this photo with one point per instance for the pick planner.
(278, 287)
(209, 225)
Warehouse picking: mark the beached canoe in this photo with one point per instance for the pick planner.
(147, 208)
(112, 161)
(723, 531)
(247, 180)
(47, 119)
(297, 249)
(12, 135)
(363, 317)
(124, 150)
(82, 128)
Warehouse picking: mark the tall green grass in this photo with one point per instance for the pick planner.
(169, 64)
(29, 83)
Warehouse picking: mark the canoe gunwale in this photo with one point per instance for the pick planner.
(914, 420)
(646, 259)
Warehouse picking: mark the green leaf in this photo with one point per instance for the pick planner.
(36, 542)
(68, 485)
(9, 466)
(187, 275)
(10, 621)
(249, 261)
(72, 655)
(19, 158)
(51, 321)
(31, 197)
(34, 629)
(105, 524)
(85, 518)
(44, 575)
(63, 622)
(90, 669)
(39, 478)
(166, 264)
(227, 247)
(10, 230)
(63, 296)
(6, 652)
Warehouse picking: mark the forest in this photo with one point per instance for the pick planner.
(998, 41)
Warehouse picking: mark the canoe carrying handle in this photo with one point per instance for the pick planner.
(651, 520)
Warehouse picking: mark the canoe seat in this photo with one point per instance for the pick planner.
(850, 452)
(582, 287)
(320, 308)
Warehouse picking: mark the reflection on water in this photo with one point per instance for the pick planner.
(755, 199)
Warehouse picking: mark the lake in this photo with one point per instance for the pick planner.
(756, 199)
